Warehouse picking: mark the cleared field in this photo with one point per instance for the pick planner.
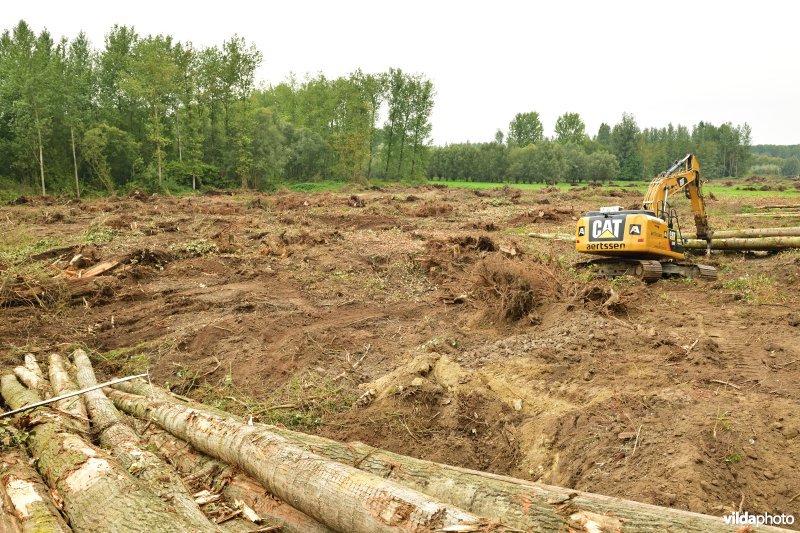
(475, 345)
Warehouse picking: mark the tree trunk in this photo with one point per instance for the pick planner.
(342, 497)
(779, 206)
(75, 162)
(235, 486)
(123, 443)
(98, 495)
(770, 215)
(8, 518)
(33, 381)
(63, 384)
(74, 290)
(553, 236)
(763, 243)
(41, 150)
(25, 497)
(757, 232)
(178, 134)
(522, 504)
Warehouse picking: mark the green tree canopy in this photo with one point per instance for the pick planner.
(570, 128)
(525, 129)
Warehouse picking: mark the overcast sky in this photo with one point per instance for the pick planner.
(676, 61)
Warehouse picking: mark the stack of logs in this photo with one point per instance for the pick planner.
(138, 458)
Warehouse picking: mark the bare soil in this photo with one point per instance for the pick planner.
(425, 321)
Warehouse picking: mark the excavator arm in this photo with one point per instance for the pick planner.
(683, 175)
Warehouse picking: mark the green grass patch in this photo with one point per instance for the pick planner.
(194, 248)
(97, 234)
(755, 289)
(301, 403)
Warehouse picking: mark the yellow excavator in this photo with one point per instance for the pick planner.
(647, 242)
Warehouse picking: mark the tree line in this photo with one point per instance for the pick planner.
(153, 112)
(772, 159)
(524, 155)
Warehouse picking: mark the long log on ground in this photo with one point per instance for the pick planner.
(552, 236)
(63, 384)
(518, 503)
(8, 520)
(755, 244)
(97, 494)
(779, 206)
(26, 498)
(767, 215)
(235, 486)
(32, 376)
(753, 232)
(73, 290)
(123, 443)
(340, 496)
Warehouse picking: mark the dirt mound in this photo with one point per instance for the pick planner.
(446, 409)
(512, 289)
(432, 209)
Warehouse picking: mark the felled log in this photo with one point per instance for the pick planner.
(26, 503)
(754, 232)
(234, 485)
(63, 384)
(31, 375)
(754, 244)
(73, 290)
(123, 443)
(340, 496)
(8, 520)
(521, 504)
(773, 215)
(779, 206)
(552, 236)
(97, 494)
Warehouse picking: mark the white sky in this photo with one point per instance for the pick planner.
(678, 61)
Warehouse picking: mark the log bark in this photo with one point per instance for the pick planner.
(518, 503)
(234, 485)
(779, 206)
(73, 290)
(755, 244)
(63, 384)
(340, 496)
(8, 520)
(553, 236)
(33, 381)
(774, 215)
(25, 497)
(98, 495)
(754, 232)
(33, 365)
(124, 444)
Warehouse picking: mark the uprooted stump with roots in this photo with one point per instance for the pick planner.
(513, 289)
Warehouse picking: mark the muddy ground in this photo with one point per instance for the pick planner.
(424, 320)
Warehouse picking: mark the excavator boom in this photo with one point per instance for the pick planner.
(684, 174)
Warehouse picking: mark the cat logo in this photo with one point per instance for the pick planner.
(606, 228)
(665, 234)
(581, 231)
(681, 182)
(635, 229)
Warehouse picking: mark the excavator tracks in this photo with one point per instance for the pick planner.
(649, 270)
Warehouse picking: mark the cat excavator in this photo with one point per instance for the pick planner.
(647, 242)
